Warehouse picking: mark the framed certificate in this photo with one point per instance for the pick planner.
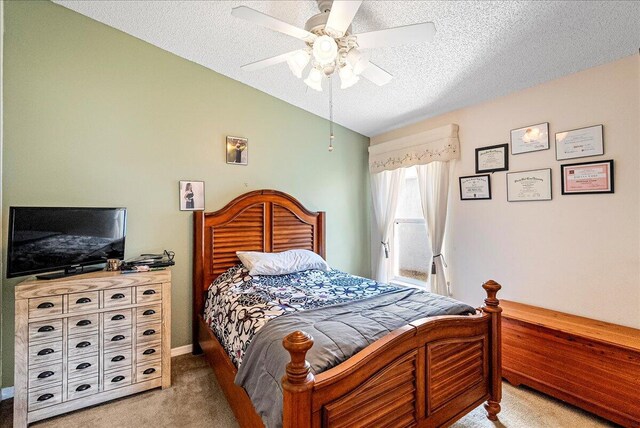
(532, 185)
(587, 177)
(492, 158)
(580, 143)
(530, 138)
(475, 187)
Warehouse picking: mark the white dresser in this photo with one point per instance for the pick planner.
(90, 338)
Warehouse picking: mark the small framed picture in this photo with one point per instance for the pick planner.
(530, 138)
(191, 195)
(492, 158)
(587, 177)
(475, 187)
(237, 151)
(580, 143)
(534, 185)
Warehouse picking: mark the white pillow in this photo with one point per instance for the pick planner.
(281, 263)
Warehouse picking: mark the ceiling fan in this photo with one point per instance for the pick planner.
(330, 45)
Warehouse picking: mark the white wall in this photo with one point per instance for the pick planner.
(578, 254)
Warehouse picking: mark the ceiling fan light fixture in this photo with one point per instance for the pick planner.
(347, 77)
(314, 80)
(357, 60)
(325, 50)
(298, 61)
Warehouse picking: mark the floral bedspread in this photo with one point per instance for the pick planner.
(238, 305)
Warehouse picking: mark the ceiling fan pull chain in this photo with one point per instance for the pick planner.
(331, 136)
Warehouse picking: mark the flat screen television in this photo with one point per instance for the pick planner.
(47, 239)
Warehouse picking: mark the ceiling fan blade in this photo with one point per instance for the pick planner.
(376, 75)
(341, 15)
(272, 23)
(415, 33)
(263, 63)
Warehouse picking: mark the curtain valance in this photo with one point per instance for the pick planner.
(439, 144)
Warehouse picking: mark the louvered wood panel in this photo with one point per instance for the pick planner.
(388, 399)
(245, 232)
(454, 367)
(290, 232)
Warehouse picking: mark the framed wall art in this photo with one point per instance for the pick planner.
(587, 177)
(580, 143)
(191, 195)
(237, 151)
(492, 158)
(534, 185)
(475, 187)
(530, 138)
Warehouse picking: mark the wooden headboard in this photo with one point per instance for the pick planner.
(263, 220)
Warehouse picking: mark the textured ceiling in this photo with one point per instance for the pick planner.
(482, 49)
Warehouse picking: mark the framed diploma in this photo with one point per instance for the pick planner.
(492, 158)
(530, 138)
(587, 177)
(532, 185)
(475, 187)
(580, 143)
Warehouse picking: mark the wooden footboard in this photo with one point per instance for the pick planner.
(428, 373)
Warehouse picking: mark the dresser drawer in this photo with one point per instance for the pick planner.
(147, 314)
(45, 375)
(44, 397)
(148, 332)
(118, 358)
(117, 319)
(149, 293)
(148, 352)
(82, 324)
(117, 339)
(117, 378)
(82, 387)
(147, 371)
(117, 297)
(45, 353)
(82, 367)
(82, 346)
(79, 302)
(45, 330)
(45, 306)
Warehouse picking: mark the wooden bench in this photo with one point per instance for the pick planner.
(591, 364)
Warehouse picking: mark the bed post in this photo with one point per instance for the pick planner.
(198, 279)
(492, 307)
(297, 383)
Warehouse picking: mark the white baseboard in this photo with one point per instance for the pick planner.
(6, 393)
(181, 350)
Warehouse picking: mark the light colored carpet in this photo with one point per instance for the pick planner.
(196, 400)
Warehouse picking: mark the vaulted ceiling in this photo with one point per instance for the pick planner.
(482, 49)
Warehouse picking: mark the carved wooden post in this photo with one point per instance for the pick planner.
(492, 307)
(297, 383)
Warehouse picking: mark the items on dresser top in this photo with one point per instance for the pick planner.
(591, 364)
(90, 338)
(149, 262)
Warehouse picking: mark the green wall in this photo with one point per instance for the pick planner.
(95, 117)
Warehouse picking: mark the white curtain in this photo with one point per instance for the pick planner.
(385, 187)
(433, 181)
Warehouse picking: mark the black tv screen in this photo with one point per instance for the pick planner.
(45, 239)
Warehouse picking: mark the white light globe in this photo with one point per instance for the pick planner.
(325, 50)
(357, 60)
(297, 62)
(347, 77)
(314, 80)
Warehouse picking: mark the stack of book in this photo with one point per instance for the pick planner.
(148, 262)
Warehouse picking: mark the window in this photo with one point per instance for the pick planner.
(411, 251)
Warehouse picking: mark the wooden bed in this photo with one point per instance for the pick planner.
(428, 373)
